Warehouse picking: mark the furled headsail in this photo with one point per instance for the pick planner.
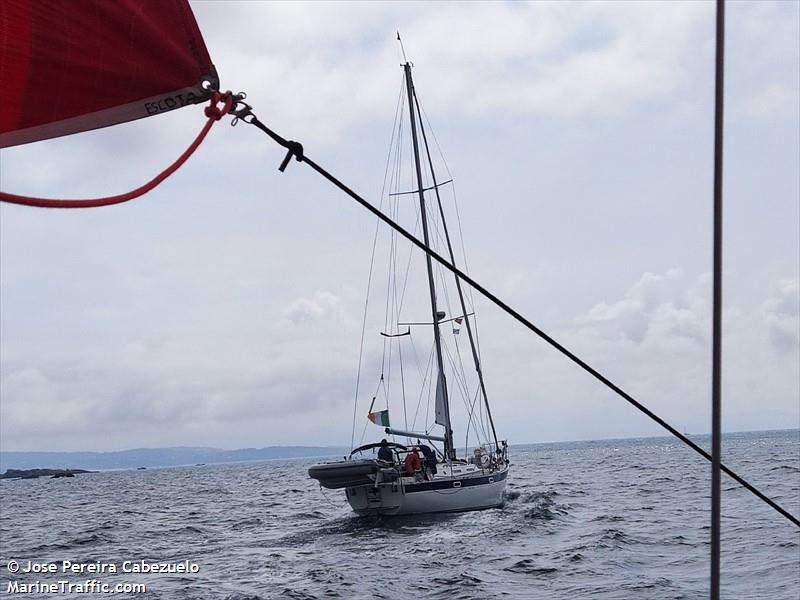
(68, 67)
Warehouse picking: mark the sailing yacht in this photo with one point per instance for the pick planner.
(412, 476)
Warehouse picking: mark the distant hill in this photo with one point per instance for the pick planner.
(156, 457)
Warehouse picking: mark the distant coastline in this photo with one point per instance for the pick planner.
(157, 457)
(195, 456)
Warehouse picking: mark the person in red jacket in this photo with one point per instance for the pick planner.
(413, 462)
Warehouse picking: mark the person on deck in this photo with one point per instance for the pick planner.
(413, 462)
(385, 453)
(429, 461)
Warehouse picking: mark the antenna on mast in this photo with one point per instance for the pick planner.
(403, 50)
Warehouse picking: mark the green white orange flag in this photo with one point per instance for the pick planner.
(380, 418)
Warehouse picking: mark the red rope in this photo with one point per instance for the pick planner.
(214, 114)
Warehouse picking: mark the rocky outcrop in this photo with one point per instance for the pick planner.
(35, 473)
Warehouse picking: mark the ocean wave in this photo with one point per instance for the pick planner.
(527, 566)
(541, 506)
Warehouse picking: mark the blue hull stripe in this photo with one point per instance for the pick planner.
(426, 486)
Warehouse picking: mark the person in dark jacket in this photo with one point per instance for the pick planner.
(385, 453)
(430, 459)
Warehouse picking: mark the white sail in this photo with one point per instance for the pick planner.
(441, 414)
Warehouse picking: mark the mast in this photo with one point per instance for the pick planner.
(441, 382)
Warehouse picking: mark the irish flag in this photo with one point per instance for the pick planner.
(380, 418)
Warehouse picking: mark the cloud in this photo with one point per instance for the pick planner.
(304, 62)
(225, 308)
(31, 402)
(324, 305)
(670, 312)
(655, 342)
(775, 100)
(173, 391)
(168, 372)
(766, 34)
(656, 308)
(781, 311)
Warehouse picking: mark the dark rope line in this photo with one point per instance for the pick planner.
(291, 147)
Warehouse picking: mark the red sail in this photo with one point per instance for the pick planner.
(73, 66)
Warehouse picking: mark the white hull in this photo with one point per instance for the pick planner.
(446, 493)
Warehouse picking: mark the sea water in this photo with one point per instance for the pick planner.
(605, 519)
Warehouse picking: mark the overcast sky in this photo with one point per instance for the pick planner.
(224, 308)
